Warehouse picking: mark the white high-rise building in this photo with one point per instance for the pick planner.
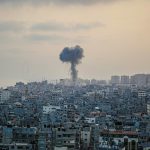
(4, 95)
(115, 80)
(148, 80)
(148, 107)
(125, 79)
(139, 79)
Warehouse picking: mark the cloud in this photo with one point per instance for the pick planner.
(43, 37)
(49, 26)
(53, 26)
(52, 32)
(14, 26)
(11, 26)
(88, 26)
(53, 38)
(58, 2)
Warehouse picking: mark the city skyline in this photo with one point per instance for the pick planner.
(114, 35)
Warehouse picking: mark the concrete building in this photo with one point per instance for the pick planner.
(139, 79)
(16, 146)
(67, 137)
(141, 94)
(7, 135)
(144, 146)
(115, 79)
(148, 80)
(118, 140)
(41, 141)
(60, 148)
(148, 107)
(86, 137)
(4, 95)
(125, 79)
(90, 120)
(50, 108)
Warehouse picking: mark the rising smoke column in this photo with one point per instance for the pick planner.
(72, 55)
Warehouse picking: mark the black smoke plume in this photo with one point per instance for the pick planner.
(72, 55)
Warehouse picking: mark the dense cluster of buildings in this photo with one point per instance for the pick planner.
(88, 115)
(138, 79)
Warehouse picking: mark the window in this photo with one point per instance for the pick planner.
(20, 147)
(133, 145)
(12, 147)
(59, 135)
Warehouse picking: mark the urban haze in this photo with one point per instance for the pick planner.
(74, 75)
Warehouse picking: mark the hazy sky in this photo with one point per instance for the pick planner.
(115, 35)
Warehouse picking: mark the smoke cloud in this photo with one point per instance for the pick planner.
(72, 55)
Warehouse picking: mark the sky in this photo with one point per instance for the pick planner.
(115, 36)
